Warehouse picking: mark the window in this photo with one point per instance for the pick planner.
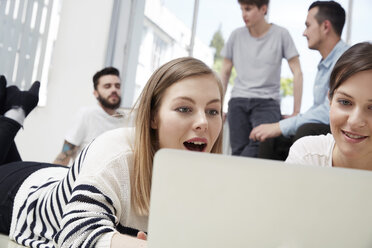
(158, 50)
(28, 30)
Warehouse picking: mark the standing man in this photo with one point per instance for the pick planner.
(93, 121)
(324, 24)
(256, 51)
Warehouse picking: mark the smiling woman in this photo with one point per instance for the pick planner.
(350, 144)
(351, 119)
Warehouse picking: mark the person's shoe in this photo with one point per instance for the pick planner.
(2, 93)
(27, 100)
(31, 99)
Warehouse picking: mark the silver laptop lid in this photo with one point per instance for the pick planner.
(209, 200)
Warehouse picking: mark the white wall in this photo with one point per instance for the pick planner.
(79, 52)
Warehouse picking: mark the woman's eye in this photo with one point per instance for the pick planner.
(183, 109)
(213, 112)
(344, 102)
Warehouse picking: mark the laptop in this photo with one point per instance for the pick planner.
(218, 201)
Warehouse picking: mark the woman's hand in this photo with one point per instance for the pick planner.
(125, 241)
(141, 235)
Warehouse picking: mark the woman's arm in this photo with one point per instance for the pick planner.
(95, 208)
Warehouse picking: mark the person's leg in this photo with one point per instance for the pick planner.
(312, 129)
(12, 176)
(17, 99)
(276, 148)
(239, 124)
(2, 93)
(15, 105)
(266, 149)
(8, 149)
(262, 111)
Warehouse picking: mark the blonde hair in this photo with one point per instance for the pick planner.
(146, 141)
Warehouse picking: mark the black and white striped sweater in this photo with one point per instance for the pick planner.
(82, 206)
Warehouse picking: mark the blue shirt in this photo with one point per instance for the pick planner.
(319, 112)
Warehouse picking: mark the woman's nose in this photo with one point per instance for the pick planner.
(201, 122)
(356, 118)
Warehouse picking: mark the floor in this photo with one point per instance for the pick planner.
(6, 243)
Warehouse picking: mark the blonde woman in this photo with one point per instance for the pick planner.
(103, 199)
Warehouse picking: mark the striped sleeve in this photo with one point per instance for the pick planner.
(92, 210)
(91, 214)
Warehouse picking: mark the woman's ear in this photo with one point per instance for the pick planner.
(154, 122)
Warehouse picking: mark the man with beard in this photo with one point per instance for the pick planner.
(95, 120)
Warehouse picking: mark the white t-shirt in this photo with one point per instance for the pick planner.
(312, 150)
(92, 121)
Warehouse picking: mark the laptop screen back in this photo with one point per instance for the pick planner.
(210, 200)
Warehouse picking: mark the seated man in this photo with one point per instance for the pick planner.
(324, 24)
(92, 121)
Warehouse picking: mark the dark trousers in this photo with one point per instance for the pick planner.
(13, 171)
(243, 115)
(8, 149)
(12, 175)
(278, 148)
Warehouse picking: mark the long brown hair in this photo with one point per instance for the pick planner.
(146, 141)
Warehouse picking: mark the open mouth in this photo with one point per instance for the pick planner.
(196, 146)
